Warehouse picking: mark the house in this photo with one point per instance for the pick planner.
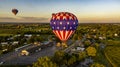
(102, 38)
(17, 35)
(15, 42)
(80, 49)
(28, 35)
(86, 62)
(4, 43)
(77, 49)
(4, 50)
(11, 38)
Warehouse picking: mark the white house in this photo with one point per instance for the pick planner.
(80, 48)
(101, 38)
(4, 43)
(4, 50)
(15, 42)
(28, 35)
(77, 49)
(17, 35)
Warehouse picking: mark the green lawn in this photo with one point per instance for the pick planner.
(101, 58)
(112, 52)
(6, 34)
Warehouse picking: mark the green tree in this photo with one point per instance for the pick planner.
(59, 57)
(87, 43)
(71, 60)
(31, 40)
(97, 65)
(91, 51)
(38, 38)
(96, 46)
(22, 41)
(0, 52)
(44, 62)
(81, 56)
(75, 37)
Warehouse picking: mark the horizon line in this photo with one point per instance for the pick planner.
(49, 22)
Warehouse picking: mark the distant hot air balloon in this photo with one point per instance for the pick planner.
(63, 25)
(14, 11)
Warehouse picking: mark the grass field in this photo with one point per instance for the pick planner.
(101, 58)
(113, 54)
(6, 34)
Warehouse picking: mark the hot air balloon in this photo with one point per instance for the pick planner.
(63, 25)
(14, 11)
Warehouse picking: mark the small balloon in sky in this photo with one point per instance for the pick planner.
(63, 25)
(14, 11)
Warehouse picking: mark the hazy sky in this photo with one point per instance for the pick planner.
(41, 10)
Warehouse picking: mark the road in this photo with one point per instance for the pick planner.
(72, 45)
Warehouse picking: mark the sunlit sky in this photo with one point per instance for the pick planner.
(41, 10)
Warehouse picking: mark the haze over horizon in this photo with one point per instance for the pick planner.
(41, 10)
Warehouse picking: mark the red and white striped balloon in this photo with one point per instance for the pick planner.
(63, 25)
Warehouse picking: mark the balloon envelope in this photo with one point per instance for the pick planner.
(14, 11)
(63, 25)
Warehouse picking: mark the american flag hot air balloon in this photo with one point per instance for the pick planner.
(63, 25)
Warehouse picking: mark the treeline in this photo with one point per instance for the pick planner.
(62, 59)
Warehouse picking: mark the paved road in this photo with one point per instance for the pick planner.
(72, 45)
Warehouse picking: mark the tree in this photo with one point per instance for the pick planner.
(59, 57)
(71, 60)
(0, 52)
(64, 59)
(81, 56)
(87, 43)
(22, 41)
(44, 62)
(39, 38)
(97, 45)
(97, 65)
(32, 39)
(91, 51)
(75, 37)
